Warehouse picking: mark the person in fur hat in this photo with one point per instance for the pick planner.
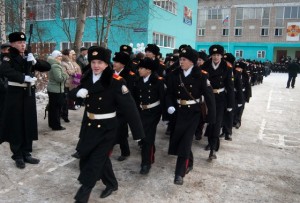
(186, 85)
(104, 93)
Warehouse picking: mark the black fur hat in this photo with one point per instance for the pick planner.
(16, 36)
(216, 49)
(202, 55)
(241, 65)
(121, 57)
(148, 63)
(99, 53)
(126, 48)
(190, 54)
(152, 48)
(229, 57)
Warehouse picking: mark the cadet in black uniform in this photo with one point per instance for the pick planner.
(221, 79)
(19, 113)
(104, 93)
(186, 85)
(152, 52)
(150, 96)
(120, 62)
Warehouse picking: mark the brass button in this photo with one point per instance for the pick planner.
(98, 126)
(98, 107)
(87, 95)
(179, 105)
(191, 85)
(88, 105)
(189, 106)
(100, 98)
(89, 124)
(149, 97)
(149, 90)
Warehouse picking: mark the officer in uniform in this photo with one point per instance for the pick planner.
(152, 51)
(221, 80)
(19, 113)
(186, 85)
(104, 94)
(150, 97)
(120, 62)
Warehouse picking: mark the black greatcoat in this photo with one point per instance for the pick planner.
(188, 116)
(19, 116)
(97, 136)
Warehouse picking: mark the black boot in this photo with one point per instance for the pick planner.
(83, 194)
(212, 155)
(228, 137)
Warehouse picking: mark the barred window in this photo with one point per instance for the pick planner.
(168, 5)
(163, 40)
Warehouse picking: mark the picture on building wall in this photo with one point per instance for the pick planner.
(293, 31)
(187, 16)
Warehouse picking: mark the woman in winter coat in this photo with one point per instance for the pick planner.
(57, 78)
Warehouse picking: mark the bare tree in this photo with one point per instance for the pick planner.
(2, 21)
(82, 9)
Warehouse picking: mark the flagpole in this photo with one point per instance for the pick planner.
(228, 34)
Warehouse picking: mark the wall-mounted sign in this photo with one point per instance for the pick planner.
(187, 16)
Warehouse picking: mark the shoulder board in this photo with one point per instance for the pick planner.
(238, 70)
(204, 72)
(131, 73)
(5, 58)
(117, 77)
(134, 62)
(161, 63)
(160, 78)
(229, 65)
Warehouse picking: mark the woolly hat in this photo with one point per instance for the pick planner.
(99, 53)
(229, 57)
(216, 49)
(147, 63)
(56, 54)
(16, 36)
(190, 54)
(153, 48)
(121, 57)
(126, 48)
(202, 55)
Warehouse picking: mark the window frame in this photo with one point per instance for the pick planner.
(159, 40)
(261, 54)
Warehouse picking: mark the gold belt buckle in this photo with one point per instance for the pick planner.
(91, 116)
(216, 91)
(144, 107)
(183, 102)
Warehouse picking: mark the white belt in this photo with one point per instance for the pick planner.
(187, 102)
(101, 116)
(149, 106)
(217, 91)
(19, 84)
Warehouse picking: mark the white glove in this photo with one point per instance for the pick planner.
(82, 93)
(239, 105)
(31, 58)
(229, 109)
(138, 140)
(30, 79)
(171, 110)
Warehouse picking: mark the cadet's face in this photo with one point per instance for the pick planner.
(117, 66)
(143, 72)
(200, 62)
(20, 45)
(150, 54)
(98, 66)
(185, 63)
(216, 58)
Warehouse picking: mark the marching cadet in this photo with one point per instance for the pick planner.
(104, 93)
(150, 96)
(186, 85)
(241, 76)
(152, 52)
(221, 80)
(120, 62)
(19, 112)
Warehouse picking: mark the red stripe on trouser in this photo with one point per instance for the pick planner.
(109, 153)
(186, 164)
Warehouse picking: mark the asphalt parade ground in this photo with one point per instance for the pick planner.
(261, 164)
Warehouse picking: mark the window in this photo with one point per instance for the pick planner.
(41, 10)
(202, 17)
(69, 8)
(238, 32)
(215, 14)
(225, 32)
(95, 8)
(239, 17)
(261, 54)
(265, 17)
(201, 32)
(278, 32)
(168, 5)
(239, 53)
(163, 40)
(264, 31)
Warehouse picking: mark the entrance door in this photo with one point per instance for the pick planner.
(281, 55)
(297, 55)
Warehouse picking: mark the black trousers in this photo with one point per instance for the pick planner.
(227, 122)
(183, 163)
(238, 113)
(122, 136)
(292, 79)
(65, 104)
(55, 104)
(21, 149)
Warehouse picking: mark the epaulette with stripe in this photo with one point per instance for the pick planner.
(160, 78)
(161, 63)
(131, 73)
(229, 65)
(134, 62)
(117, 77)
(204, 72)
(239, 70)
